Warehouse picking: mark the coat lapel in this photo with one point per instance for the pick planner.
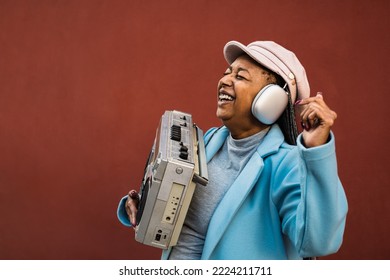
(231, 202)
(214, 141)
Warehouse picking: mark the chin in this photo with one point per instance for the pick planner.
(225, 120)
(223, 114)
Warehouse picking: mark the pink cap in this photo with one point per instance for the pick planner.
(277, 59)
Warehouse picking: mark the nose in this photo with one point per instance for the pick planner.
(226, 80)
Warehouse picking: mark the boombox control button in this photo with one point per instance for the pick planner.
(183, 155)
(183, 151)
(183, 148)
(176, 133)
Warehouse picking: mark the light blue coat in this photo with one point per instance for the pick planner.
(287, 203)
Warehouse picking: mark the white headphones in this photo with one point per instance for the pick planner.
(270, 103)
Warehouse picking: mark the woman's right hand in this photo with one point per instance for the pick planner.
(132, 206)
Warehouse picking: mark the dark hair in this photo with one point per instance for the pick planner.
(286, 121)
(288, 124)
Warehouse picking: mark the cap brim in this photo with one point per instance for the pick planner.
(234, 49)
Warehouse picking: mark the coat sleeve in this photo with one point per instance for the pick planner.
(310, 199)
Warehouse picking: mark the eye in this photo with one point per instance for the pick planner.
(242, 74)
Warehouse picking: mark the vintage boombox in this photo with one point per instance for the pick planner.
(177, 162)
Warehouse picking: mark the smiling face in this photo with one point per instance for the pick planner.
(236, 91)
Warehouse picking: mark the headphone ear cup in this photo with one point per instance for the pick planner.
(269, 104)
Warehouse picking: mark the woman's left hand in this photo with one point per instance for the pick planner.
(316, 120)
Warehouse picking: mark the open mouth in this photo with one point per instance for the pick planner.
(225, 97)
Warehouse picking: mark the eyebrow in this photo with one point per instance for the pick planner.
(239, 69)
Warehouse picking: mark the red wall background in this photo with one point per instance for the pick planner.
(84, 83)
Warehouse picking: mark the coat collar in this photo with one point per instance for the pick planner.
(241, 187)
(270, 144)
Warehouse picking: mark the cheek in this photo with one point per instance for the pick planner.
(248, 98)
(245, 105)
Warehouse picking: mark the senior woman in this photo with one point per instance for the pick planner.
(272, 194)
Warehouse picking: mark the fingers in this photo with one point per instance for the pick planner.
(318, 98)
(132, 206)
(314, 112)
(311, 116)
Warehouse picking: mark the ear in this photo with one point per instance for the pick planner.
(272, 78)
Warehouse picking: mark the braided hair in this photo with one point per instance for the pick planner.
(288, 124)
(287, 121)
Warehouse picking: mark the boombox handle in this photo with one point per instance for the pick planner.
(201, 176)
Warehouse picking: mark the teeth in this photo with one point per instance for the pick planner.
(225, 97)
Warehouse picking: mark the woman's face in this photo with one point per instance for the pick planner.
(236, 91)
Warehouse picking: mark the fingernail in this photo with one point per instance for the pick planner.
(134, 195)
(297, 102)
(305, 126)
